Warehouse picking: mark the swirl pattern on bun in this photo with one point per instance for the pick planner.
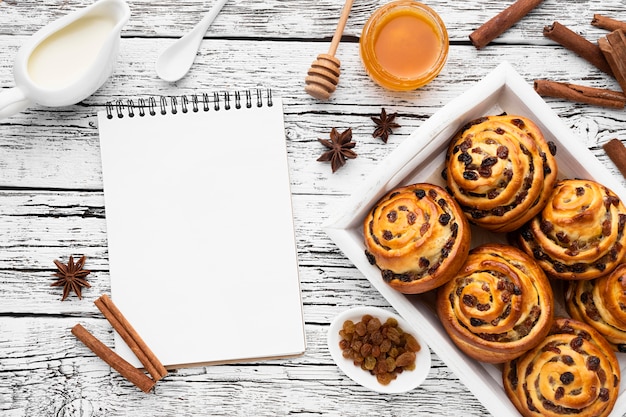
(417, 236)
(580, 233)
(500, 169)
(498, 306)
(573, 371)
(601, 303)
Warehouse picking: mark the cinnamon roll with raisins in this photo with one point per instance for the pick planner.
(417, 236)
(501, 170)
(498, 306)
(573, 372)
(601, 303)
(579, 234)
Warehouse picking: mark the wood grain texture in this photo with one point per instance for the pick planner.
(52, 205)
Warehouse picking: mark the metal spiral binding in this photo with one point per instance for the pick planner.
(194, 103)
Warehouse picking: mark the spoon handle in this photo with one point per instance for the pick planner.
(210, 16)
(340, 26)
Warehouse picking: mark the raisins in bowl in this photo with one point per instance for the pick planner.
(378, 350)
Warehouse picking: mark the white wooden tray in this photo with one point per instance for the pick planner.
(420, 158)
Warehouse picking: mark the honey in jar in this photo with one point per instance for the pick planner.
(404, 45)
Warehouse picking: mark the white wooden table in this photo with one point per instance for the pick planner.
(52, 206)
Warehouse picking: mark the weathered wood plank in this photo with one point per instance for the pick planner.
(307, 20)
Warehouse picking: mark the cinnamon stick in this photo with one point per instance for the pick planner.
(577, 44)
(590, 95)
(605, 22)
(616, 150)
(613, 46)
(122, 326)
(128, 371)
(498, 24)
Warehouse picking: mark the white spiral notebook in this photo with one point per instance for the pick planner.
(200, 230)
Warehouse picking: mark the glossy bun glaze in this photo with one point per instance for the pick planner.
(500, 169)
(572, 372)
(498, 306)
(579, 234)
(417, 236)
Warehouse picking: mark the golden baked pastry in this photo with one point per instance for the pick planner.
(573, 372)
(579, 234)
(601, 303)
(498, 306)
(417, 236)
(500, 169)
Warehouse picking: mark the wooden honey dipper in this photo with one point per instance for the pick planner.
(323, 76)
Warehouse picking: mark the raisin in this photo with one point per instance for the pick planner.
(567, 378)
(526, 234)
(466, 144)
(444, 219)
(405, 359)
(369, 363)
(519, 123)
(386, 378)
(580, 191)
(546, 226)
(470, 175)
(603, 395)
(502, 152)
(465, 158)
(500, 131)
(366, 349)
(576, 343)
(484, 172)
(476, 322)
(420, 193)
(411, 343)
(360, 329)
(489, 161)
(606, 228)
(562, 237)
(392, 216)
(552, 147)
(593, 363)
(559, 393)
(470, 300)
(411, 218)
(387, 235)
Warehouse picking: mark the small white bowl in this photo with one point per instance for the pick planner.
(405, 381)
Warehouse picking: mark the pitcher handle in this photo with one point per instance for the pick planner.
(12, 101)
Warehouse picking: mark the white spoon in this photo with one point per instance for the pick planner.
(176, 59)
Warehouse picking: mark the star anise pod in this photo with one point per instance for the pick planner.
(71, 277)
(340, 145)
(384, 125)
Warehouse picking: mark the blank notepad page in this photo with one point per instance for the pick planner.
(200, 233)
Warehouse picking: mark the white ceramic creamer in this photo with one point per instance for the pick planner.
(67, 60)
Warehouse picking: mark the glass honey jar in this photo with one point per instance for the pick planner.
(404, 45)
